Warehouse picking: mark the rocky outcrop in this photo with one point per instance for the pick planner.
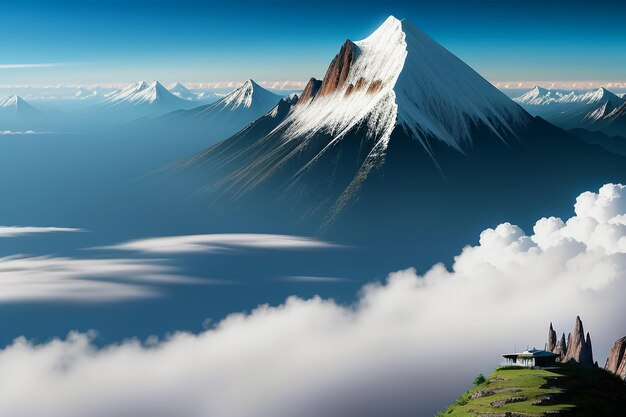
(616, 362)
(551, 339)
(578, 348)
(339, 69)
(310, 90)
(291, 99)
(561, 347)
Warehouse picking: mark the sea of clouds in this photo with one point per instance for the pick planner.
(407, 347)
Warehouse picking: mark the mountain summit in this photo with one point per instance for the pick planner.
(181, 91)
(397, 136)
(17, 113)
(226, 116)
(142, 99)
(143, 93)
(398, 76)
(16, 104)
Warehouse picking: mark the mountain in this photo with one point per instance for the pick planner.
(16, 104)
(574, 386)
(596, 110)
(142, 99)
(226, 116)
(400, 139)
(568, 390)
(616, 361)
(539, 96)
(181, 91)
(17, 114)
(577, 349)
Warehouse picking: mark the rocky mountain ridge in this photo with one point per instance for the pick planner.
(577, 349)
(616, 362)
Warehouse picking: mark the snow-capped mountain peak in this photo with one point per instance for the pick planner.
(543, 96)
(249, 93)
(539, 96)
(143, 99)
(573, 109)
(400, 76)
(12, 101)
(229, 114)
(601, 94)
(145, 93)
(181, 91)
(16, 104)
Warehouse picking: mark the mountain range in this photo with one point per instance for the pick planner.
(224, 117)
(598, 110)
(400, 139)
(143, 99)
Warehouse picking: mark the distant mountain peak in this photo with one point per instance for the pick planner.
(16, 103)
(143, 92)
(181, 91)
(246, 95)
(143, 99)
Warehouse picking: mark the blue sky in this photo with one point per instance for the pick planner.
(99, 41)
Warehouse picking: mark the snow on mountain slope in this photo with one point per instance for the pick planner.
(181, 91)
(16, 113)
(249, 95)
(143, 99)
(15, 104)
(398, 130)
(212, 122)
(543, 96)
(237, 109)
(144, 93)
(400, 76)
(540, 96)
(574, 109)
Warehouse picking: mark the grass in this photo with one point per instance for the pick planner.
(565, 391)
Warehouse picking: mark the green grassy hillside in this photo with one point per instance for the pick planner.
(564, 391)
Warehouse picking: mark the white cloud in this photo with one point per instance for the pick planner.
(24, 66)
(219, 242)
(14, 231)
(24, 132)
(45, 278)
(405, 348)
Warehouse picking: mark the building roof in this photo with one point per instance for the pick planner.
(531, 353)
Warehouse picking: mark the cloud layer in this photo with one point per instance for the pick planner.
(219, 243)
(405, 348)
(46, 278)
(25, 66)
(14, 231)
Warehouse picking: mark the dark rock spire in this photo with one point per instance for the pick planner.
(551, 339)
(616, 362)
(578, 348)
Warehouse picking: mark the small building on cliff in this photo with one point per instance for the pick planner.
(530, 358)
